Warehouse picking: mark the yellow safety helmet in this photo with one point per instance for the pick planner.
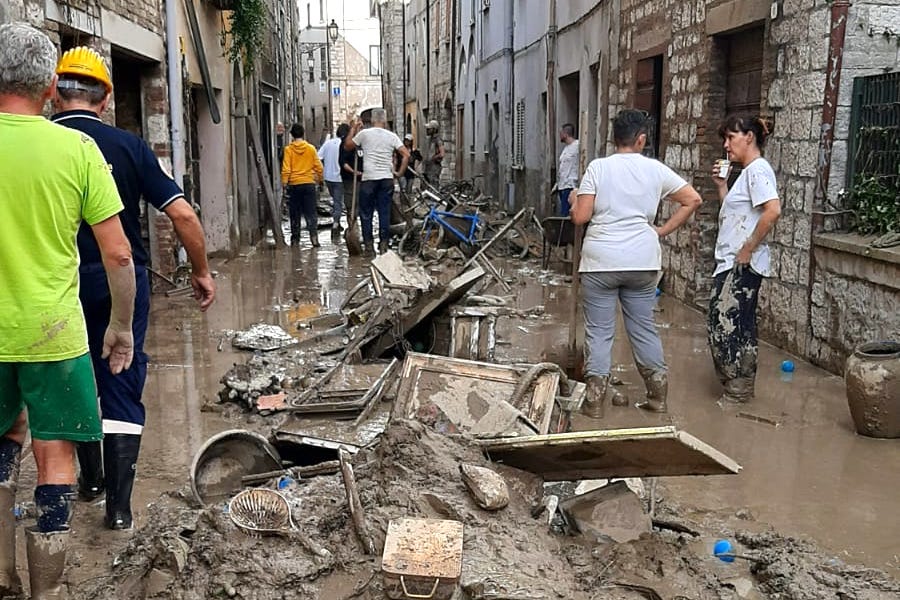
(84, 62)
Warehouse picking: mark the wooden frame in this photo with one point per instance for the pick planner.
(537, 406)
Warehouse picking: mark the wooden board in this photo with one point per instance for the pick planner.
(472, 395)
(400, 275)
(641, 452)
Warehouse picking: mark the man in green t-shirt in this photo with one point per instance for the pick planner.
(51, 179)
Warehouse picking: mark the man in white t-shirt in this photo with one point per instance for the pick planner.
(621, 258)
(329, 154)
(567, 176)
(378, 146)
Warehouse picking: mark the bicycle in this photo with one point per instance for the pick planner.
(469, 230)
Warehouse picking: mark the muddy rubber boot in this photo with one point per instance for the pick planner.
(369, 248)
(657, 383)
(737, 391)
(383, 246)
(314, 239)
(90, 470)
(336, 234)
(46, 563)
(10, 584)
(595, 397)
(120, 454)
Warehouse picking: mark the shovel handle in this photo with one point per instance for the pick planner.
(406, 592)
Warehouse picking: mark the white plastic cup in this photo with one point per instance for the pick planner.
(724, 166)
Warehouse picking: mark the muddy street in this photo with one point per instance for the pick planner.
(805, 472)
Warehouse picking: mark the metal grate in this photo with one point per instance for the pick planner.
(519, 139)
(873, 172)
(875, 129)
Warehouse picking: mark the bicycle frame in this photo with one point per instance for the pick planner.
(437, 216)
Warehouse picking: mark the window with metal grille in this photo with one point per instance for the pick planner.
(519, 136)
(323, 62)
(873, 169)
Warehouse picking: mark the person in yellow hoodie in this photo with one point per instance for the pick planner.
(301, 172)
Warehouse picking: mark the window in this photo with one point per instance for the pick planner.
(648, 97)
(323, 62)
(311, 64)
(374, 60)
(519, 136)
(313, 113)
(321, 11)
(874, 160)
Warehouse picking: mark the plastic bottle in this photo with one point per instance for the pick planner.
(787, 371)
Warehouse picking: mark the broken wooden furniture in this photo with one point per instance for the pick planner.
(473, 331)
(452, 394)
(613, 453)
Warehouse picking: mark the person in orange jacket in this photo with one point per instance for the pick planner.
(301, 172)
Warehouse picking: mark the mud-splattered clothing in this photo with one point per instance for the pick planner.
(731, 328)
(740, 213)
(51, 178)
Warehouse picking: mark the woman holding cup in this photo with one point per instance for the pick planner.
(749, 211)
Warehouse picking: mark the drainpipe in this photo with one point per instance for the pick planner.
(405, 58)
(837, 32)
(176, 108)
(511, 98)
(552, 51)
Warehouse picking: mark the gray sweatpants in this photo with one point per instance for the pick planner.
(636, 290)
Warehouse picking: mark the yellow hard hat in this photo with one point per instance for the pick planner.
(84, 62)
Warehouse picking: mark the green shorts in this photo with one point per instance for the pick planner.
(60, 396)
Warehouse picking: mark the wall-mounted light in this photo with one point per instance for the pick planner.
(333, 31)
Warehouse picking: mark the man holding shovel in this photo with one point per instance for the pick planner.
(378, 145)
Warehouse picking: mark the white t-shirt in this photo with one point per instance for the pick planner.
(378, 147)
(627, 188)
(567, 177)
(328, 154)
(740, 213)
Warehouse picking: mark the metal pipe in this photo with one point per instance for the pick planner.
(837, 31)
(176, 108)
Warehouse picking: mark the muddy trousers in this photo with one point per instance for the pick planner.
(302, 201)
(376, 195)
(731, 330)
(110, 465)
(636, 291)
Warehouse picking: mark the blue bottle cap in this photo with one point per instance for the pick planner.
(284, 482)
(723, 547)
(658, 292)
(787, 366)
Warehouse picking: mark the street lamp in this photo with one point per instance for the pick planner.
(332, 36)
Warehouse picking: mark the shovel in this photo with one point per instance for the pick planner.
(351, 236)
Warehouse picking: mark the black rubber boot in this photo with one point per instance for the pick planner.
(120, 454)
(314, 239)
(90, 470)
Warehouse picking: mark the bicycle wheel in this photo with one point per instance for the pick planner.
(514, 244)
(417, 239)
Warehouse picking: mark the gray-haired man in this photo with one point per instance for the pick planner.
(51, 179)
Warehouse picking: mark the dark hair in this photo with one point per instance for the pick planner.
(342, 130)
(760, 126)
(628, 125)
(568, 129)
(297, 130)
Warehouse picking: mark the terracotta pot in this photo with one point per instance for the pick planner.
(873, 389)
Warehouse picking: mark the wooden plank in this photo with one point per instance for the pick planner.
(400, 275)
(640, 452)
(357, 513)
(271, 202)
(576, 322)
(424, 308)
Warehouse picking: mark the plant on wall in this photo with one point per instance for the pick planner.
(876, 204)
(247, 25)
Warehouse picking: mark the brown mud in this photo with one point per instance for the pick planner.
(807, 475)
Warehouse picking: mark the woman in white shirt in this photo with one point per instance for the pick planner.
(749, 211)
(621, 257)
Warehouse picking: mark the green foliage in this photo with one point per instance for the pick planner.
(875, 201)
(248, 25)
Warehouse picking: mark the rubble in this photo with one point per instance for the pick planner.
(488, 489)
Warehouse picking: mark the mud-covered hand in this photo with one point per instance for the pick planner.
(118, 347)
(204, 289)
